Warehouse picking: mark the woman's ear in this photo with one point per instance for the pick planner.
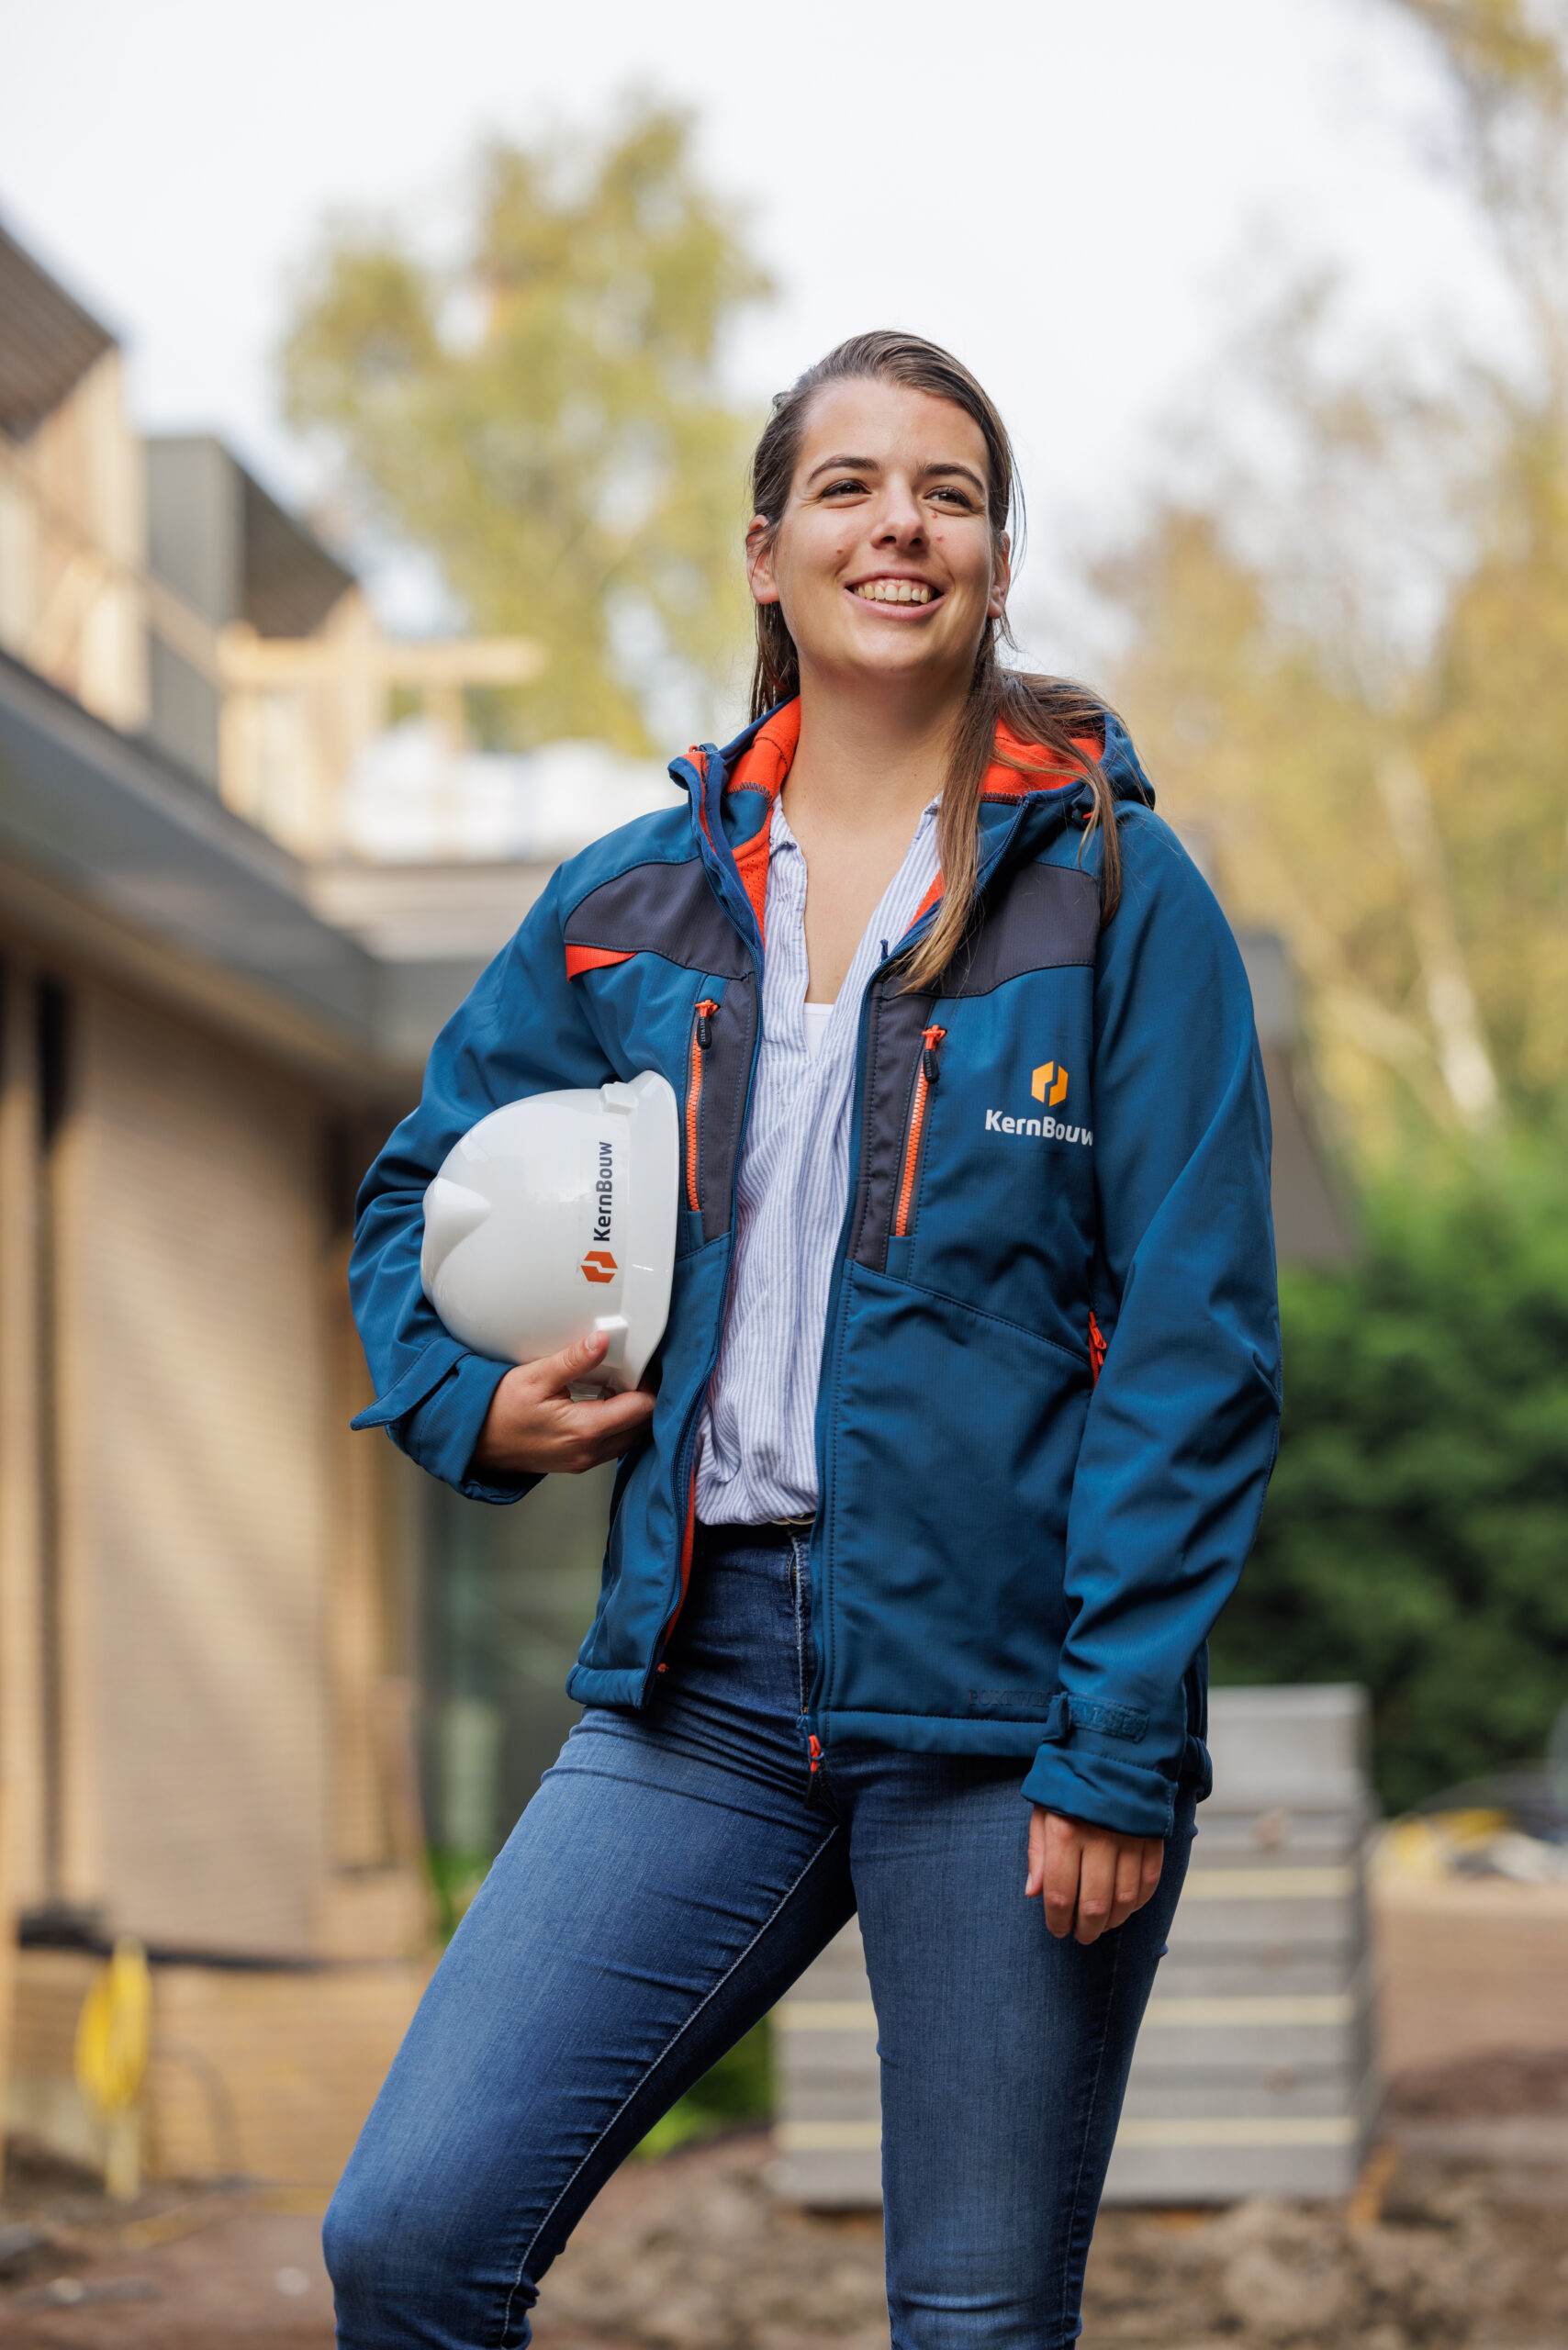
(759, 561)
(1001, 578)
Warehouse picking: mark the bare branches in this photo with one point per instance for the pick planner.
(1508, 61)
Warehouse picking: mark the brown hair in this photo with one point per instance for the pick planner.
(1048, 712)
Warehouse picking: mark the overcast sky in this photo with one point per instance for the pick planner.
(1073, 194)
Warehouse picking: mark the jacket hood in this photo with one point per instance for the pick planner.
(755, 762)
(733, 792)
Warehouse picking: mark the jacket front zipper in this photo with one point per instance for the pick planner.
(925, 1078)
(702, 1037)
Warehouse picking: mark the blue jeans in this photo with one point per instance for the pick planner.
(664, 1887)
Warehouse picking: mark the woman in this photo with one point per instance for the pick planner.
(960, 1433)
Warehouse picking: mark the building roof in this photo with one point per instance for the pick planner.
(101, 820)
(48, 341)
(291, 582)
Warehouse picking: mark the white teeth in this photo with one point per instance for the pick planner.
(894, 592)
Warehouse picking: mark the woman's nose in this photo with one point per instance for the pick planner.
(901, 522)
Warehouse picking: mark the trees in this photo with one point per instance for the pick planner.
(1414, 1535)
(1346, 663)
(545, 418)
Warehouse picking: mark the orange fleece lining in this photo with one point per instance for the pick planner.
(765, 764)
(763, 767)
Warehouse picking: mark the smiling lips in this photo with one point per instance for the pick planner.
(894, 592)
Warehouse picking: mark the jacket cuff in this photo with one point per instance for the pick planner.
(425, 1374)
(1102, 1789)
(442, 1428)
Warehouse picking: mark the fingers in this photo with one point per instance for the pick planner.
(1062, 1858)
(1091, 1879)
(602, 1432)
(1127, 1894)
(1096, 1884)
(1034, 1881)
(533, 1427)
(570, 1438)
(553, 1375)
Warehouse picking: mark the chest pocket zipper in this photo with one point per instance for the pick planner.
(702, 1037)
(925, 1078)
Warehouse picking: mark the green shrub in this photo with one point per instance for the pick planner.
(738, 2090)
(1416, 1537)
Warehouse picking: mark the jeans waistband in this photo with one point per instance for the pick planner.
(769, 1533)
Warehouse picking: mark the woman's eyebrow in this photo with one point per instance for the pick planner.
(968, 472)
(831, 464)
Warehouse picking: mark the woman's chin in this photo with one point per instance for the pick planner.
(892, 655)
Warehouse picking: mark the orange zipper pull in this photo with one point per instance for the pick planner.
(702, 1036)
(931, 1039)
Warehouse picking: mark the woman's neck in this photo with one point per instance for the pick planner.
(866, 762)
(865, 767)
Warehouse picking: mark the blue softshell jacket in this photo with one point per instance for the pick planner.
(1051, 1377)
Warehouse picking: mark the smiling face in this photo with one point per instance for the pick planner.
(884, 561)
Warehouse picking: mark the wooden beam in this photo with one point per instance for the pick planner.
(21, 1667)
(250, 662)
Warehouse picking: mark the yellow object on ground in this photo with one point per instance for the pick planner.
(113, 2043)
(1423, 1848)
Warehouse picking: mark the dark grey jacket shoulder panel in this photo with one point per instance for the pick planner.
(661, 909)
(1045, 917)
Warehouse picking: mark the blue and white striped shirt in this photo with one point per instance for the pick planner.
(759, 1457)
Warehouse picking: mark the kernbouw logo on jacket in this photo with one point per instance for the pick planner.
(1048, 1083)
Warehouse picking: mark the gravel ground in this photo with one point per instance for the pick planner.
(204, 2272)
(692, 2254)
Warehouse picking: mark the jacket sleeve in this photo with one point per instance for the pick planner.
(520, 1030)
(1183, 1421)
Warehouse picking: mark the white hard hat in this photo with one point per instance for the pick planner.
(555, 1217)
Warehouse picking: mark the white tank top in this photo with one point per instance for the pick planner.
(816, 1017)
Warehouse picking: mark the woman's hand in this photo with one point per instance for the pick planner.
(1091, 1878)
(534, 1426)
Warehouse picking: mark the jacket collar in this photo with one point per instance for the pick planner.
(733, 792)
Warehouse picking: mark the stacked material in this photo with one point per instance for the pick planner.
(829, 2131)
(1255, 2071)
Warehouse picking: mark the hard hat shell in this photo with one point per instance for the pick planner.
(555, 1217)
